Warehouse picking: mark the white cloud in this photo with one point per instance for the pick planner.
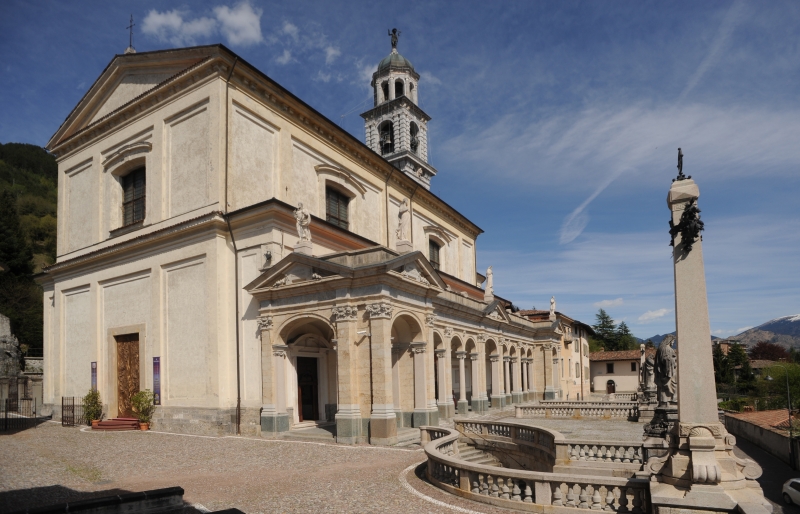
(608, 303)
(331, 54)
(290, 29)
(240, 25)
(284, 58)
(170, 26)
(649, 316)
(428, 78)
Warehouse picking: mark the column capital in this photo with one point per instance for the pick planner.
(380, 310)
(494, 358)
(279, 350)
(473, 356)
(419, 347)
(506, 359)
(440, 352)
(344, 313)
(264, 322)
(461, 355)
(430, 319)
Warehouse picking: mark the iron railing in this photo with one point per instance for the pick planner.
(72, 411)
(17, 414)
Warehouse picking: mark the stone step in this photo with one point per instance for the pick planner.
(118, 424)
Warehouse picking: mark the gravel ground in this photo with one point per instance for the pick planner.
(52, 464)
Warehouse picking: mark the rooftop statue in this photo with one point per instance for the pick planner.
(395, 35)
(404, 218)
(303, 218)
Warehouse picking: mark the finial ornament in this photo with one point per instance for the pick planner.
(130, 49)
(395, 35)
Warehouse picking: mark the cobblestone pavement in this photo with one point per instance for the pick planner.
(52, 464)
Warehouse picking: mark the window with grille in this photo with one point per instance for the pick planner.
(433, 253)
(336, 208)
(133, 196)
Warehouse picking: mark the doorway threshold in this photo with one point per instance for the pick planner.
(311, 424)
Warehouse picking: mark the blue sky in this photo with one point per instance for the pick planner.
(555, 125)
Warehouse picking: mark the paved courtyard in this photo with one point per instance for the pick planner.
(52, 464)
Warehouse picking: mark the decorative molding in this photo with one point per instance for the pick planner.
(279, 350)
(430, 319)
(281, 282)
(345, 313)
(264, 322)
(419, 347)
(481, 338)
(696, 429)
(126, 152)
(380, 310)
(438, 232)
(448, 332)
(342, 174)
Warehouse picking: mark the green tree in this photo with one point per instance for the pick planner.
(605, 330)
(624, 338)
(15, 252)
(737, 355)
(723, 371)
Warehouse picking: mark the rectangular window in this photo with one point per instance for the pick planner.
(633, 366)
(433, 254)
(609, 367)
(133, 190)
(336, 208)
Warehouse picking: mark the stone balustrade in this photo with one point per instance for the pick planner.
(599, 410)
(529, 490)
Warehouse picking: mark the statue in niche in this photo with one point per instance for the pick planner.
(404, 219)
(666, 377)
(303, 218)
(489, 281)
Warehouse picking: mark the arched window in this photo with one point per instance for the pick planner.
(133, 196)
(433, 253)
(399, 89)
(387, 138)
(414, 139)
(336, 208)
(577, 370)
(385, 88)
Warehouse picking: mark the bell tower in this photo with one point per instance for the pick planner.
(396, 128)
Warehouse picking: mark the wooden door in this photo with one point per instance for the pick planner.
(611, 387)
(307, 389)
(127, 373)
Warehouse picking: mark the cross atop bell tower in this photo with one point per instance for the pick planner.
(396, 127)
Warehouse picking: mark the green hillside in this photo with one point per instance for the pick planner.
(28, 197)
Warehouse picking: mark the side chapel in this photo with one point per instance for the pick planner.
(225, 245)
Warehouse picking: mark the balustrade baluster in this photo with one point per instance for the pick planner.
(558, 496)
(637, 501)
(584, 452)
(623, 500)
(484, 485)
(494, 488)
(528, 494)
(583, 498)
(617, 456)
(571, 497)
(506, 491)
(476, 487)
(593, 453)
(609, 500)
(516, 492)
(597, 500)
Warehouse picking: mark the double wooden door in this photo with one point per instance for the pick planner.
(127, 372)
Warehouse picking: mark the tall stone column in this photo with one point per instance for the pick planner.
(516, 394)
(423, 415)
(482, 392)
(463, 406)
(448, 371)
(382, 420)
(274, 417)
(348, 415)
(498, 396)
(430, 372)
(476, 402)
(507, 378)
(445, 404)
(700, 472)
(550, 386)
(524, 380)
(531, 381)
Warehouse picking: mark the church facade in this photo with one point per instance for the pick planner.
(226, 246)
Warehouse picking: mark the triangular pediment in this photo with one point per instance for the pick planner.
(125, 79)
(293, 271)
(496, 312)
(414, 266)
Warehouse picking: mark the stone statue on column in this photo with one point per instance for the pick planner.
(303, 221)
(402, 232)
(552, 308)
(488, 294)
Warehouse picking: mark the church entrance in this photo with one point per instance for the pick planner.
(307, 389)
(127, 372)
(611, 387)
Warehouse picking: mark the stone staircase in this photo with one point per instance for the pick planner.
(117, 424)
(469, 453)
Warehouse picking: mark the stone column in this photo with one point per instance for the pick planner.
(430, 373)
(382, 420)
(463, 406)
(477, 406)
(700, 472)
(274, 417)
(446, 407)
(516, 395)
(448, 371)
(550, 386)
(507, 379)
(348, 415)
(422, 414)
(531, 381)
(524, 380)
(498, 396)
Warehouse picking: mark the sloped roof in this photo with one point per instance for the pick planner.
(775, 420)
(621, 355)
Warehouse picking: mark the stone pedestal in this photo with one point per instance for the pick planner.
(348, 424)
(463, 407)
(272, 422)
(404, 246)
(303, 247)
(480, 405)
(646, 412)
(662, 421)
(498, 401)
(446, 410)
(516, 397)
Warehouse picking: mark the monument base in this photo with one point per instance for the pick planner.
(664, 419)
(303, 247)
(404, 246)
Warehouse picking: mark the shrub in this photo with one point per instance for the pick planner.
(92, 406)
(143, 405)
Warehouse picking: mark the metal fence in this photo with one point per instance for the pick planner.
(17, 414)
(72, 411)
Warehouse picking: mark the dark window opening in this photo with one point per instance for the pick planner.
(398, 89)
(609, 367)
(387, 138)
(414, 138)
(133, 199)
(433, 254)
(385, 88)
(633, 366)
(336, 208)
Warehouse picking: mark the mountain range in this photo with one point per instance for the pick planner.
(784, 331)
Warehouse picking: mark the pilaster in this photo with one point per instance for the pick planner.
(348, 415)
(383, 421)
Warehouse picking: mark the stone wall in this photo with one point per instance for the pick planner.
(773, 442)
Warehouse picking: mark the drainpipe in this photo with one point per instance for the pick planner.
(235, 258)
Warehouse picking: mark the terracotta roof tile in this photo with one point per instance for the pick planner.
(621, 355)
(770, 419)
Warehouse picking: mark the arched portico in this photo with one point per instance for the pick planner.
(494, 375)
(444, 396)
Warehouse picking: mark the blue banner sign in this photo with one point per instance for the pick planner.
(157, 380)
